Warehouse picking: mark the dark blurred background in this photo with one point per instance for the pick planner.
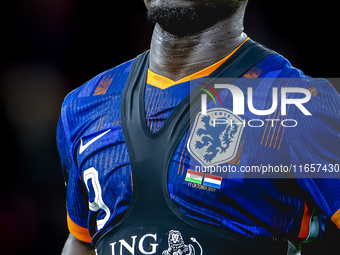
(50, 47)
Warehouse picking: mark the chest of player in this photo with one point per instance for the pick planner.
(104, 165)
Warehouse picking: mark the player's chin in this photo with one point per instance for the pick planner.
(192, 3)
(179, 21)
(169, 3)
(186, 20)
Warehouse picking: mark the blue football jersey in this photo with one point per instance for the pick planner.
(97, 172)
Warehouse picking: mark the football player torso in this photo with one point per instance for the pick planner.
(97, 168)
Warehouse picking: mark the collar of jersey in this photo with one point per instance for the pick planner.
(163, 82)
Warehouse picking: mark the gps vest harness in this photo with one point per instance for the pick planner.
(153, 224)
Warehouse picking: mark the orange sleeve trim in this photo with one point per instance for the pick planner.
(78, 232)
(305, 224)
(336, 218)
(163, 82)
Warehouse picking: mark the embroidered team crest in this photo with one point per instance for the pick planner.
(215, 137)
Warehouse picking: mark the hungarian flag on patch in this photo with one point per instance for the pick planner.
(193, 176)
(212, 181)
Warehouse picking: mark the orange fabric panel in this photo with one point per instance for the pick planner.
(163, 82)
(78, 232)
(305, 222)
(336, 218)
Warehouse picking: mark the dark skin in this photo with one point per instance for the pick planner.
(75, 247)
(178, 56)
(178, 53)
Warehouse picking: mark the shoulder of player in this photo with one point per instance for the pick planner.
(295, 76)
(111, 81)
(325, 100)
(82, 105)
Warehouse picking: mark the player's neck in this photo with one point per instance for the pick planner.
(176, 57)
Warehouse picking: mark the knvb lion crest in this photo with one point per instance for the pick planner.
(215, 136)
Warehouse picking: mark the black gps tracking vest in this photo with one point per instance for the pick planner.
(153, 224)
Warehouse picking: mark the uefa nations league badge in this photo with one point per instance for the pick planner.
(215, 136)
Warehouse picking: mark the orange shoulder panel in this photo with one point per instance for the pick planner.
(304, 230)
(336, 218)
(78, 232)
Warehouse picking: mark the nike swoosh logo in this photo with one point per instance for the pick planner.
(84, 147)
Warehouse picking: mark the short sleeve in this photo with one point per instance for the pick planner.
(76, 195)
(316, 143)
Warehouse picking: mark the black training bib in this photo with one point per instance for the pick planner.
(153, 224)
